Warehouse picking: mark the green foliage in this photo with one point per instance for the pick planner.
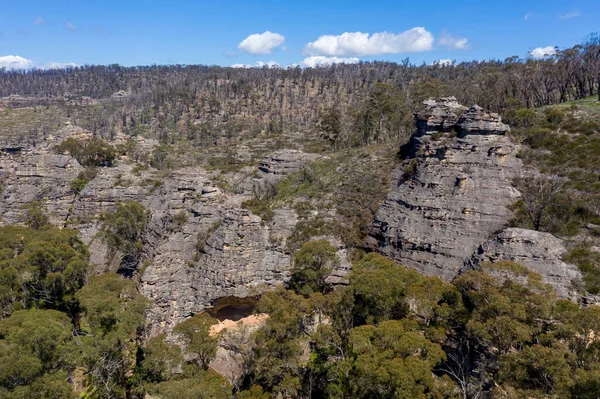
(34, 346)
(312, 264)
(55, 385)
(254, 392)
(41, 268)
(35, 217)
(78, 185)
(379, 285)
(161, 360)
(277, 348)
(386, 114)
(393, 360)
(588, 262)
(114, 316)
(196, 339)
(537, 371)
(94, 152)
(124, 228)
(207, 385)
(330, 125)
(522, 117)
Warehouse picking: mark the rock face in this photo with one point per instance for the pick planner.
(477, 121)
(285, 162)
(455, 192)
(537, 251)
(200, 245)
(45, 178)
(439, 116)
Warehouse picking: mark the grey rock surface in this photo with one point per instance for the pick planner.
(45, 178)
(439, 115)
(285, 162)
(478, 121)
(537, 251)
(456, 195)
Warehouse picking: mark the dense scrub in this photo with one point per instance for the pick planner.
(563, 143)
(391, 333)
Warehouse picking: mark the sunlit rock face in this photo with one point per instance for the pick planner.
(454, 192)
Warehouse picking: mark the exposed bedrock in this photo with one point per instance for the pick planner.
(455, 193)
(537, 251)
(449, 212)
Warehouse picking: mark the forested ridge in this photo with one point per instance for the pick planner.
(205, 103)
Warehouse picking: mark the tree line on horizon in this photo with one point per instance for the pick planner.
(206, 103)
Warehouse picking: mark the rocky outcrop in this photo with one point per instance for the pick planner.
(455, 191)
(44, 178)
(478, 121)
(439, 116)
(537, 251)
(285, 162)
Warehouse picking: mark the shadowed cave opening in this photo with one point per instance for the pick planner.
(232, 308)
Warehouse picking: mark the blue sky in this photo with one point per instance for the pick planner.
(132, 32)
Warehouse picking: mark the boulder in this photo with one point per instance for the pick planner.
(537, 251)
(285, 162)
(439, 115)
(478, 121)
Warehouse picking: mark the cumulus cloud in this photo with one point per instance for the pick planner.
(58, 65)
(258, 64)
(15, 62)
(449, 41)
(361, 44)
(320, 60)
(261, 43)
(542, 52)
(443, 62)
(572, 14)
(39, 21)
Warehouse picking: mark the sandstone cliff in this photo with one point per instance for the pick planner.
(450, 206)
(456, 193)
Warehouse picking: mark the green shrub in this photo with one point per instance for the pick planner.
(124, 228)
(588, 262)
(35, 217)
(312, 264)
(95, 152)
(78, 185)
(260, 207)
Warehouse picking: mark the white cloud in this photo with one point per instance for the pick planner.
(449, 41)
(542, 52)
(320, 60)
(15, 62)
(360, 44)
(261, 43)
(39, 21)
(444, 62)
(569, 15)
(258, 64)
(70, 26)
(58, 65)
(527, 16)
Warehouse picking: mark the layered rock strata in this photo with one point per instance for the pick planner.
(455, 193)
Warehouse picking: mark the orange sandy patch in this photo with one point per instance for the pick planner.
(254, 320)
